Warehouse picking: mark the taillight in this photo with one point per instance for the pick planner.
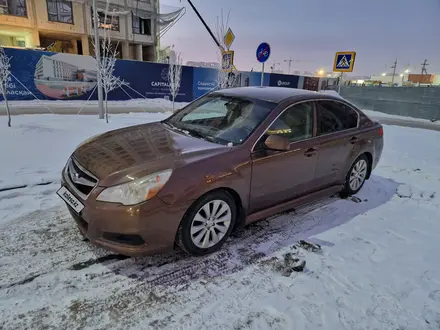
(381, 131)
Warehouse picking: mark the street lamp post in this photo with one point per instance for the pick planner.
(290, 62)
(98, 60)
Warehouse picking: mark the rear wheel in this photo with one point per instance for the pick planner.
(208, 223)
(356, 176)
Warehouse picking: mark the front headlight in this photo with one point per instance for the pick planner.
(136, 191)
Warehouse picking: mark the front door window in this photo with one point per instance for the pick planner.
(296, 123)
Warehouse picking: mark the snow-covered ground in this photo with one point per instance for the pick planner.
(90, 107)
(378, 268)
(141, 105)
(155, 104)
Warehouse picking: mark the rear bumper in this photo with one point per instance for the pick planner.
(139, 230)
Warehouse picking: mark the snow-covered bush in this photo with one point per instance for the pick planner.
(175, 75)
(107, 62)
(5, 72)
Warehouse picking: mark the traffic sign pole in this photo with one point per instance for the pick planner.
(262, 75)
(340, 82)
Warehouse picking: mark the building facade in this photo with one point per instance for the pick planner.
(67, 26)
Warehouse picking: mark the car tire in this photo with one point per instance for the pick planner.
(356, 176)
(207, 224)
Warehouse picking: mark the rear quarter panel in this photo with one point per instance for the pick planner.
(369, 142)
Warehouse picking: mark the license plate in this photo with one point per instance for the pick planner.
(70, 199)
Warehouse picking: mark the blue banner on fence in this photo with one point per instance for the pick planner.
(251, 79)
(150, 80)
(204, 81)
(283, 80)
(45, 75)
(59, 76)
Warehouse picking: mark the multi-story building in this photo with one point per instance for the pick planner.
(38, 24)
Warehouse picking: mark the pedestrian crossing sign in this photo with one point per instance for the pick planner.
(344, 62)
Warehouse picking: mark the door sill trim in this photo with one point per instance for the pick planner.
(310, 198)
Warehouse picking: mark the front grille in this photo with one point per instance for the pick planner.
(80, 178)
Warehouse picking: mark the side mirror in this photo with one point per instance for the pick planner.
(277, 142)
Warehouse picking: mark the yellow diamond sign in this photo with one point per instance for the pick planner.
(229, 38)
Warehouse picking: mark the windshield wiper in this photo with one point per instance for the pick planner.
(191, 132)
(197, 134)
(176, 128)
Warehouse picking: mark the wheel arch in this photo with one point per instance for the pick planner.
(370, 163)
(241, 213)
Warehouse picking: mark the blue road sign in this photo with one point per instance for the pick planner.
(344, 61)
(263, 52)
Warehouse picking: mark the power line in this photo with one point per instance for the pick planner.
(394, 66)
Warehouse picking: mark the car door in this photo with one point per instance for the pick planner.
(337, 138)
(279, 176)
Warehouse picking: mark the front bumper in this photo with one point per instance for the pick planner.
(138, 230)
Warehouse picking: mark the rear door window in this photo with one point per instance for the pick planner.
(334, 117)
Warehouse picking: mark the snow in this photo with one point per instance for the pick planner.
(379, 115)
(378, 267)
(60, 107)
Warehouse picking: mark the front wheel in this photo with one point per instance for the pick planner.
(356, 176)
(207, 224)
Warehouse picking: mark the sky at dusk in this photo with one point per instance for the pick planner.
(313, 30)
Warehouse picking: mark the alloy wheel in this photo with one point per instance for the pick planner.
(211, 223)
(358, 174)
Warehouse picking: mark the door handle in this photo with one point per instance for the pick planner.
(354, 140)
(310, 152)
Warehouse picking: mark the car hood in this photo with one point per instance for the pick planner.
(129, 153)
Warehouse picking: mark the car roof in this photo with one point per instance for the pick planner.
(274, 94)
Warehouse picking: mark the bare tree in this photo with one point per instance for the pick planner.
(5, 72)
(224, 78)
(174, 74)
(109, 52)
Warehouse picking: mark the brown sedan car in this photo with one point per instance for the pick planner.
(225, 160)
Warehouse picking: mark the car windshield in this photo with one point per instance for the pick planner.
(220, 118)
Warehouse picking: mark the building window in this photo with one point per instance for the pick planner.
(141, 25)
(111, 22)
(60, 11)
(20, 42)
(13, 7)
